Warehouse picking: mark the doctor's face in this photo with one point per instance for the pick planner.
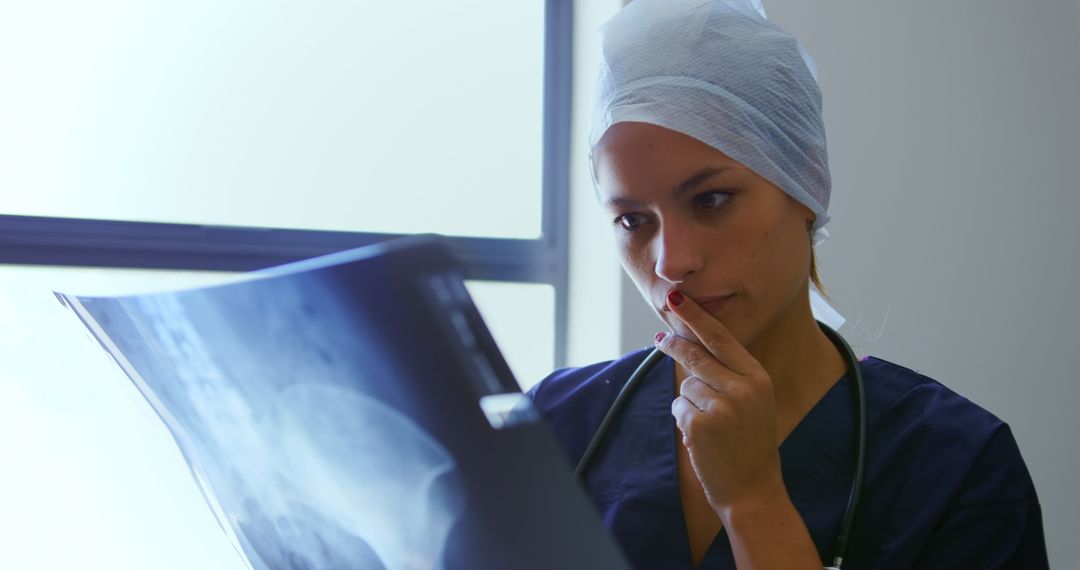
(687, 217)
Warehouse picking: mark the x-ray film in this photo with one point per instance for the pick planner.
(352, 411)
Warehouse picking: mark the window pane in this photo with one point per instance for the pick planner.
(367, 116)
(521, 317)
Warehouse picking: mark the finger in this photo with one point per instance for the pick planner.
(684, 411)
(713, 334)
(695, 359)
(699, 393)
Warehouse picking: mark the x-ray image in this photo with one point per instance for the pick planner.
(353, 412)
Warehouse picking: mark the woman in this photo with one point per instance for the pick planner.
(709, 155)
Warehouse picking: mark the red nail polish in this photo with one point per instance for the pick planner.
(660, 336)
(675, 298)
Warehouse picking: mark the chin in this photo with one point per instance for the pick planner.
(745, 333)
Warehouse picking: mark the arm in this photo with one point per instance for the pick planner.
(769, 533)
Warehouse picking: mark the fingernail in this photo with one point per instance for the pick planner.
(675, 298)
(660, 337)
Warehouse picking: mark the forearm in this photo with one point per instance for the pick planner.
(767, 533)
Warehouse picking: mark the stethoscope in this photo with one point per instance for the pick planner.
(859, 393)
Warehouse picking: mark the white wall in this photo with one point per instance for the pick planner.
(954, 137)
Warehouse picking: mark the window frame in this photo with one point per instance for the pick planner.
(58, 241)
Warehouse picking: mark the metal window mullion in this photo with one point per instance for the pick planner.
(558, 71)
(104, 243)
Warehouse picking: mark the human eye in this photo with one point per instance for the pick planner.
(629, 222)
(712, 200)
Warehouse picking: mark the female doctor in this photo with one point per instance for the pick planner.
(708, 152)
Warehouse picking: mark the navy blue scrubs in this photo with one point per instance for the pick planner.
(945, 486)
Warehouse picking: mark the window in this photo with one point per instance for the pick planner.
(233, 136)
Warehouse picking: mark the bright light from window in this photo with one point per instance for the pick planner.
(521, 317)
(396, 117)
(90, 474)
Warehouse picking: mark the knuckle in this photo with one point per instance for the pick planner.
(759, 374)
(691, 424)
(759, 382)
(720, 340)
(687, 438)
(702, 421)
(740, 391)
(717, 338)
(688, 384)
(695, 360)
(680, 409)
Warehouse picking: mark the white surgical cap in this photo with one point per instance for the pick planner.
(718, 71)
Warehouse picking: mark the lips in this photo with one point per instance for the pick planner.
(714, 302)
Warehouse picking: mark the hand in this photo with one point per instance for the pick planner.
(726, 412)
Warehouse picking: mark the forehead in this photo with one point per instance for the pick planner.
(631, 157)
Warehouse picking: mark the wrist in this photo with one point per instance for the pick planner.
(769, 502)
(766, 531)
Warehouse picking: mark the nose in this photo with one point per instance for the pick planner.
(677, 256)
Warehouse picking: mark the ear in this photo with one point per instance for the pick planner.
(808, 215)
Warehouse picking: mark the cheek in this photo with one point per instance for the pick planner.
(638, 263)
(635, 260)
(765, 244)
(783, 253)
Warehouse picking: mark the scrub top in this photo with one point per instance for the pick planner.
(944, 487)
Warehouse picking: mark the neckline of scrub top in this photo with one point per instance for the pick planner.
(812, 455)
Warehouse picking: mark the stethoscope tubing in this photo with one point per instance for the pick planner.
(639, 373)
(859, 396)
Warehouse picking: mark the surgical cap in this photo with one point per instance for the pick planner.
(720, 72)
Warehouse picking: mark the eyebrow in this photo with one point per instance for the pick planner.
(689, 184)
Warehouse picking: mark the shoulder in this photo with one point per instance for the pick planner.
(573, 401)
(903, 404)
(943, 474)
(899, 394)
